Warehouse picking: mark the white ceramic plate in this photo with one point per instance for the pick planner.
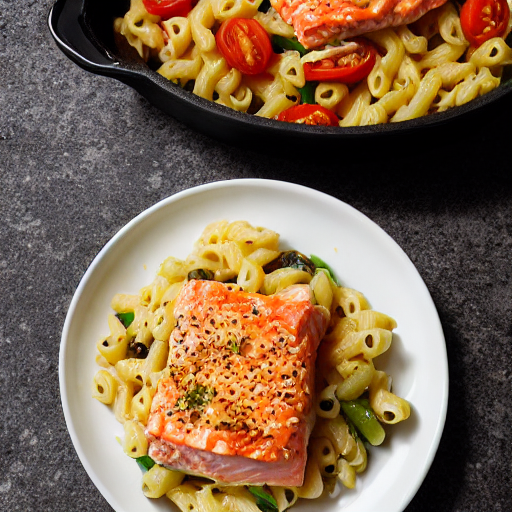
(363, 256)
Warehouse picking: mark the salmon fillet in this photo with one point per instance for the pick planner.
(237, 406)
(316, 22)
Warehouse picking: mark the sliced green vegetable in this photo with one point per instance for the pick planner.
(126, 318)
(284, 43)
(351, 428)
(145, 462)
(201, 274)
(290, 259)
(362, 416)
(307, 93)
(264, 501)
(320, 263)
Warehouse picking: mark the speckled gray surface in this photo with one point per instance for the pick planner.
(82, 155)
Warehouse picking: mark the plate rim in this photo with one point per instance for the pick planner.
(204, 188)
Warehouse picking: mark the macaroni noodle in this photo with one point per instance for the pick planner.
(134, 358)
(406, 82)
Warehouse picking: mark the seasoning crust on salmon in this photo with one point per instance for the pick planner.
(316, 22)
(238, 404)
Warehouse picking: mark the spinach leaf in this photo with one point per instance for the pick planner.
(319, 263)
(201, 274)
(290, 259)
(286, 43)
(145, 462)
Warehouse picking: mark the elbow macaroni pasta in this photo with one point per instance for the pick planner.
(357, 335)
(406, 82)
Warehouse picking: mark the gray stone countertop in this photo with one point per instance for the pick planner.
(81, 155)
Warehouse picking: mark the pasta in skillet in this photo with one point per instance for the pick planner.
(420, 68)
(352, 402)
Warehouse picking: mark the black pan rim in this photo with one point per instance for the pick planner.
(154, 87)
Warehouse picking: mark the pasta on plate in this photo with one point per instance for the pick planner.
(418, 68)
(348, 401)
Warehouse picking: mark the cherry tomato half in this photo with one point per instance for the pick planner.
(245, 45)
(348, 69)
(169, 8)
(482, 20)
(309, 114)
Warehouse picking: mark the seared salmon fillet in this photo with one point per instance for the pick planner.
(316, 22)
(237, 406)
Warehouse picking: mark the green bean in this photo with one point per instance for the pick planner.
(264, 501)
(362, 416)
(307, 93)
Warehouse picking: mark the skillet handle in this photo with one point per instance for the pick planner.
(69, 29)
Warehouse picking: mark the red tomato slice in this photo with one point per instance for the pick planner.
(169, 8)
(482, 20)
(245, 45)
(309, 114)
(348, 69)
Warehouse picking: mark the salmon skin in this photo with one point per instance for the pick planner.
(237, 406)
(317, 22)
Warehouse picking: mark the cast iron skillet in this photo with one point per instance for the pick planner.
(83, 30)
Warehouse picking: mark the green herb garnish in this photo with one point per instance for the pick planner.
(233, 345)
(196, 398)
